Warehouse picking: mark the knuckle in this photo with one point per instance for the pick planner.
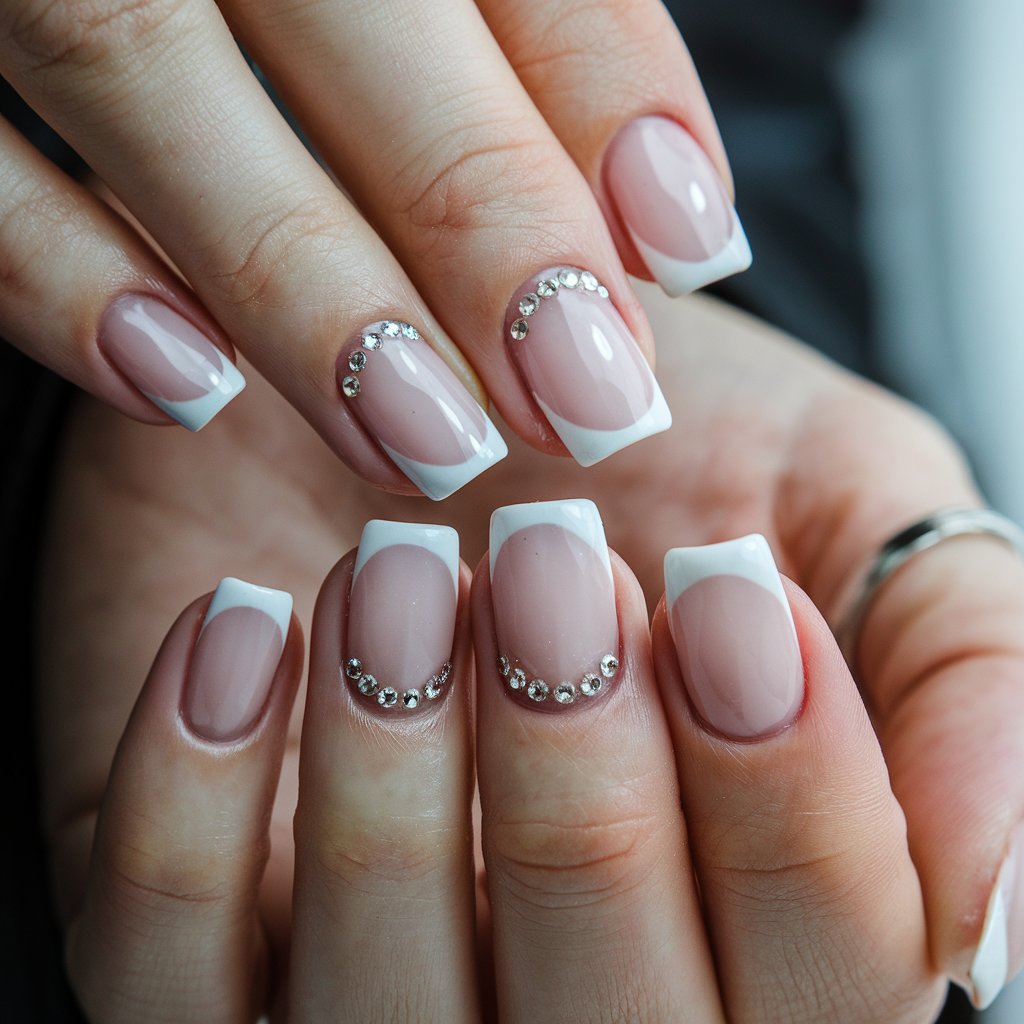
(573, 854)
(85, 33)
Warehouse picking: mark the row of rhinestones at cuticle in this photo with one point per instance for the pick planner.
(373, 341)
(389, 696)
(569, 277)
(565, 692)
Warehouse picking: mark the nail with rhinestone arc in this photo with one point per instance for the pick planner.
(582, 365)
(421, 415)
(401, 619)
(554, 603)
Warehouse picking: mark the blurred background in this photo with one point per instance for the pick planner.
(877, 147)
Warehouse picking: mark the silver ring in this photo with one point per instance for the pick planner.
(898, 550)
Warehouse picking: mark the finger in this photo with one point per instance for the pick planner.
(590, 882)
(382, 831)
(445, 151)
(811, 897)
(81, 293)
(158, 99)
(168, 927)
(616, 83)
(941, 659)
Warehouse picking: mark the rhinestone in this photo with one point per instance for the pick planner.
(388, 697)
(588, 281)
(390, 328)
(367, 685)
(410, 698)
(529, 304)
(503, 666)
(547, 287)
(520, 329)
(373, 342)
(350, 387)
(432, 688)
(517, 680)
(569, 278)
(410, 332)
(609, 665)
(565, 693)
(537, 690)
(590, 684)
(357, 361)
(602, 291)
(353, 668)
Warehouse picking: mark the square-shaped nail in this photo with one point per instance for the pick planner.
(401, 617)
(408, 399)
(168, 359)
(554, 602)
(582, 365)
(734, 636)
(674, 205)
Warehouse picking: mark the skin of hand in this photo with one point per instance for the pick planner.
(767, 437)
(466, 181)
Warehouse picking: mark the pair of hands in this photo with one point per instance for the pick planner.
(816, 904)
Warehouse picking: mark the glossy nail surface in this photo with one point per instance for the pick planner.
(674, 206)
(235, 658)
(1001, 946)
(554, 602)
(582, 365)
(168, 359)
(734, 636)
(401, 620)
(405, 395)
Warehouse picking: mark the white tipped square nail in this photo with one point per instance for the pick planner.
(379, 534)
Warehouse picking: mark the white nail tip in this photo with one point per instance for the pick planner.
(379, 534)
(195, 413)
(991, 964)
(579, 516)
(588, 446)
(438, 482)
(680, 277)
(749, 557)
(234, 593)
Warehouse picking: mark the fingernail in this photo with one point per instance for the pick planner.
(734, 637)
(554, 602)
(1001, 947)
(674, 206)
(401, 617)
(168, 359)
(405, 395)
(235, 658)
(582, 365)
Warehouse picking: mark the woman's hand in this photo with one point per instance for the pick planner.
(482, 149)
(817, 908)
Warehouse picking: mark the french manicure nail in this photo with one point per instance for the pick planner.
(582, 365)
(674, 206)
(554, 602)
(168, 359)
(401, 619)
(1001, 947)
(235, 658)
(734, 636)
(406, 396)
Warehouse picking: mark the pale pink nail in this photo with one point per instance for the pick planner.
(168, 359)
(401, 618)
(674, 205)
(582, 365)
(554, 602)
(406, 396)
(734, 636)
(235, 659)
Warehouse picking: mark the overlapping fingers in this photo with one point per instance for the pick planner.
(497, 258)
